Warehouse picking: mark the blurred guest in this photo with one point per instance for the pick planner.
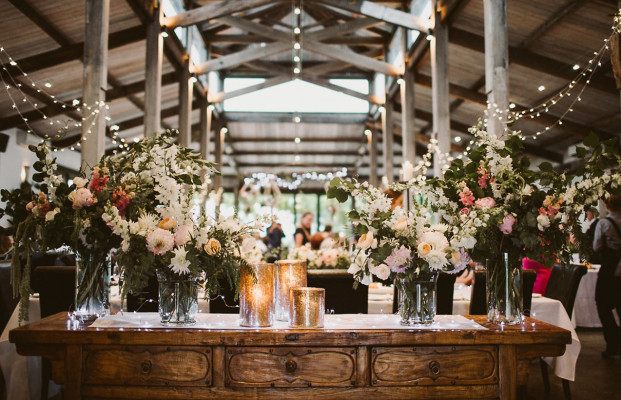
(543, 274)
(302, 233)
(607, 244)
(589, 254)
(466, 277)
(274, 235)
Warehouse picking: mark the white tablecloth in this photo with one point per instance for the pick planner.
(543, 309)
(585, 310)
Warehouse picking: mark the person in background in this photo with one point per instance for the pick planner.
(274, 235)
(6, 243)
(302, 233)
(590, 254)
(607, 244)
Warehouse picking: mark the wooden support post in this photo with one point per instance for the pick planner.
(153, 76)
(185, 105)
(408, 120)
(373, 179)
(440, 86)
(388, 140)
(218, 146)
(205, 129)
(95, 80)
(496, 64)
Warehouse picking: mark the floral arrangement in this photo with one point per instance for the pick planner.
(54, 214)
(394, 243)
(502, 204)
(154, 213)
(330, 256)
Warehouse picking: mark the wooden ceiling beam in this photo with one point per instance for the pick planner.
(350, 40)
(277, 80)
(317, 139)
(75, 51)
(557, 16)
(318, 118)
(326, 84)
(341, 54)
(380, 13)
(212, 11)
(41, 22)
(241, 57)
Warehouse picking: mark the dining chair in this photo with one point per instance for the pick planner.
(528, 283)
(56, 288)
(562, 286)
(478, 298)
(341, 297)
(444, 295)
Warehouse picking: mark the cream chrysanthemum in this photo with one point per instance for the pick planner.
(179, 263)
(160, 241)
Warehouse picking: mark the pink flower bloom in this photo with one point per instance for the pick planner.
(485, 202)
(398, 260)
(160, 241)
(82, 198)
(552, 211)
(543, 211)
(183, 235)
(483, 181)
(466, 197)
(465, 210)
(507, 224)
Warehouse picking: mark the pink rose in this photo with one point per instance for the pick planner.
(466, 197)
(507, 224)
(82, 198)
(485, 202)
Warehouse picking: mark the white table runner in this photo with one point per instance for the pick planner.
(332, 322)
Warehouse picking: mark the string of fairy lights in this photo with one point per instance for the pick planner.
(20, 100)
(582, 80)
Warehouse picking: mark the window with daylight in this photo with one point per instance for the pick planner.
(297, 96)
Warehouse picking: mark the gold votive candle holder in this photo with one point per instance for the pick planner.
(256, 298)
(307, 307)
(289, 274)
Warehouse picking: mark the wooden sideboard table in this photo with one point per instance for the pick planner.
(322, 364)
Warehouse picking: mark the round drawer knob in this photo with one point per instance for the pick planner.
(145, 367)
(434, 367)
(291, 366)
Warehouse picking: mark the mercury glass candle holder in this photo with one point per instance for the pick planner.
(256, 297)
(289, 274)
(307, 307)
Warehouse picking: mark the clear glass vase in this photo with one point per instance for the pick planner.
(417, 298)
(177, 300)
(92, 287)
(504, 290)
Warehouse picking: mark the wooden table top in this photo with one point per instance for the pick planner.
(59, 329)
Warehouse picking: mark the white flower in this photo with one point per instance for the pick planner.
(436, 259)
(436, 240)
(79, 182)
(367, 240)
(381, 271)
(248, 244)
(366, 280)
(183, 234)
(179, 264)
(353, 269)
(543, 222)
(230, 224)
(527, 190)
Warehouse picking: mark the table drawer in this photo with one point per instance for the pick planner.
(428, 366)
(290, 366)
(152, 365)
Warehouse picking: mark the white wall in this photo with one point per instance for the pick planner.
(11, 162)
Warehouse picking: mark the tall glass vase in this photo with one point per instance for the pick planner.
(177, 300)
(417, 298)
(504, 290)
(92, 287)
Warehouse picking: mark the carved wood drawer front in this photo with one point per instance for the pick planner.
(157, 366)
(428, 366)
(290, 366)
